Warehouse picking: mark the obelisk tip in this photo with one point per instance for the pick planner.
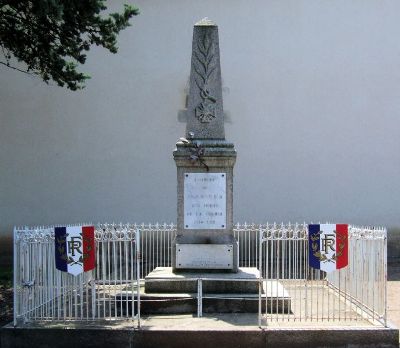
(205, 22)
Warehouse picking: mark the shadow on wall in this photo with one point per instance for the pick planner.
(393, 271)
(394, 244)
(394, 254)
(6, 251)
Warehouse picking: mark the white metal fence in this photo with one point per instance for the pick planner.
(292, 291)
(296, 292)
(109, 292)
(362, 285)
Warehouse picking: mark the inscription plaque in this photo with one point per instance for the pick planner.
(204, 256)
(205, 201)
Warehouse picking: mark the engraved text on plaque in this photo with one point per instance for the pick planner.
(205, 201)
(204, 256)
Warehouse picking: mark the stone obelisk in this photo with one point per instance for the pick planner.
(205, 161)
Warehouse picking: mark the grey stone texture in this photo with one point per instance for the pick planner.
(241, 303)
(167, 292)
(190, 335)
(219, 159)
(206, 135)
(216, 282)
(205, 109)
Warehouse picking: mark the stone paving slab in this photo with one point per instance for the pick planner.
(222, 330)
(185, 331)
(239, 321)
(393, 308)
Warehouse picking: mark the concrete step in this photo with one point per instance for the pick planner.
(166, 292)
(163, 280)
(183, 331)
(187, 303)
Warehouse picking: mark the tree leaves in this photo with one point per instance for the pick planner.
(52, 36)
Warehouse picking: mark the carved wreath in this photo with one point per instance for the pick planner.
(205, 56)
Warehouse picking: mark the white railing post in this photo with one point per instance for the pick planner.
(199, 298)
(138, 258)
(93, 294)
(385, 275)
(261, 277)
(15, 277)
(43, 293)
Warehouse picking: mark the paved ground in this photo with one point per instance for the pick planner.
(247, 321)
(393, 292)
(393, 307)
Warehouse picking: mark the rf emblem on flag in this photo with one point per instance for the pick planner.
(74, 249)
(328, 246)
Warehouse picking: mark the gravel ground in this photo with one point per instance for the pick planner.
(6, 302)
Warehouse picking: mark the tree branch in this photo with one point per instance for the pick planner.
(15, 68)
(53, 39)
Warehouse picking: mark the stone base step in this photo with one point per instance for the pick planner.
(211, 303)
(164, 280)
(191, 332)
(168, 292)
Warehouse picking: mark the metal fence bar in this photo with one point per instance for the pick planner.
(360, 285)
(294, 292)
(16, 263)
(138, 258)
(326, 297)
(47, 294)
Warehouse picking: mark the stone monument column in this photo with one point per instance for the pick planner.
(205, 162)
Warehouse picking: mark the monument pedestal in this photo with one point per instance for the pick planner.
(205, 208)
(167, 292)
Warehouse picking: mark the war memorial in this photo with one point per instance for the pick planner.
(205, 280)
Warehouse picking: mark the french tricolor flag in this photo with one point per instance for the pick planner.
(74, 249)
(328, 246)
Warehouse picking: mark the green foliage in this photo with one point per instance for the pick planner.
(53, 36)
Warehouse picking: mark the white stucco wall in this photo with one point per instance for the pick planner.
(311, 87)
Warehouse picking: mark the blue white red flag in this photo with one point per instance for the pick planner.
(74, 249)
(328, 246)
